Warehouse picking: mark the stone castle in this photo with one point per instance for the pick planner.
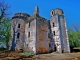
(36, 34)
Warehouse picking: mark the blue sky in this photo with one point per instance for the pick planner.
(71, 8)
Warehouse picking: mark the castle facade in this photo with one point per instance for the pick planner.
(36, 34)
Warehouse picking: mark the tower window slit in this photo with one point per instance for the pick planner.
(52, 12)
(29, 24)
(53, 24)
(18, 35)
(18, 25)
(28, 34)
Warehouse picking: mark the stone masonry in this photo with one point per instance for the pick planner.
(36, 34)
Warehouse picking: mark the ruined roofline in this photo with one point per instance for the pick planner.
(21, 15)
(36, 15)
(27, 17)
(57, 8)
(56, 11)
(37, 18)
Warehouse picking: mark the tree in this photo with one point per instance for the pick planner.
(4, 23)
(74, 36)
(3, 9)
(76, 27)
(5, 31)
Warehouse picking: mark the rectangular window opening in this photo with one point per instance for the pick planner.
(29, 24)
(28, 34)
(54, 33)
(18, 35)
(18, 25)
(53, 24)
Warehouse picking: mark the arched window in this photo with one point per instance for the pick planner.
(52, 13)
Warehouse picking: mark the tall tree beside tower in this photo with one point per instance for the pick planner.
(4, 23)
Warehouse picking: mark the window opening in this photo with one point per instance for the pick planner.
(18, 25)
(18, 35)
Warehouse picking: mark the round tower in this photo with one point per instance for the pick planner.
(18, 31)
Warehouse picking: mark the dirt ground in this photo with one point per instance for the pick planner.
(57, 56)
(50, 56)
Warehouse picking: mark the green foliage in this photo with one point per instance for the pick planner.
(74, 38)
(5, 31)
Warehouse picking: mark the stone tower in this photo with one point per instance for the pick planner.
(18, 31)
(59, 30)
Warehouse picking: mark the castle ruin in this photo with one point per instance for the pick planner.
(36, 34)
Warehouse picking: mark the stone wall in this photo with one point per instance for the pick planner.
(18, 32)
(16, 29)
(30, 36)
(55, 33)
(63, 33)
(42, 37)
(59, 29)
